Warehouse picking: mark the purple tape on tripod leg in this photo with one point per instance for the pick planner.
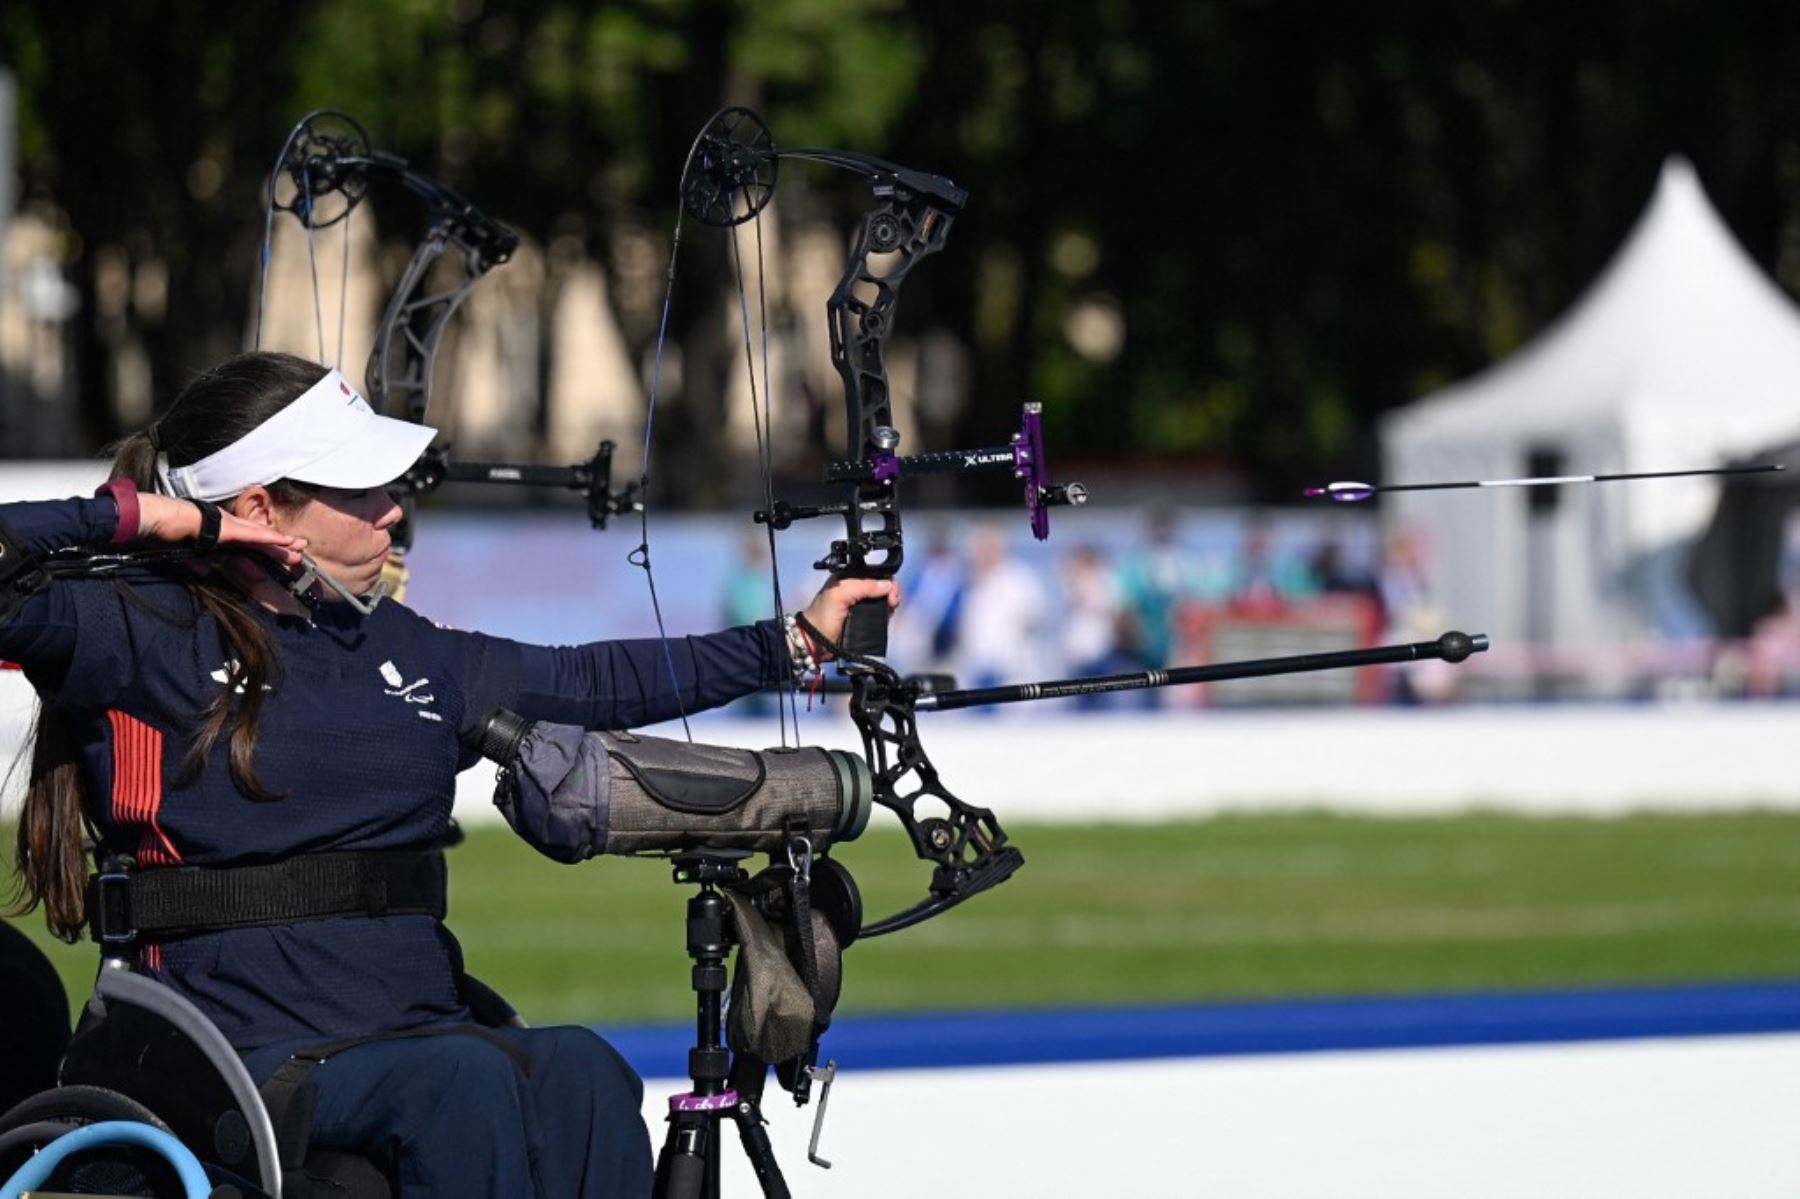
(691, 1102)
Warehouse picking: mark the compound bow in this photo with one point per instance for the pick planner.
(328, 154)
(728, 180)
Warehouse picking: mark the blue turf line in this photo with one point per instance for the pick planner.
(1007, 1038)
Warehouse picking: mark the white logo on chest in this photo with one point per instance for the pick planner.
(399, 688)
(226, 673)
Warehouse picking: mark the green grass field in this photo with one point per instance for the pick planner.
(1241, 906)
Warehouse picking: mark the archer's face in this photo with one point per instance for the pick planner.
(346, 532)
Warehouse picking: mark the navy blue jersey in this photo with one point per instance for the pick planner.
(360, 739)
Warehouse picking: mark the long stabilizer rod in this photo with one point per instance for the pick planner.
(1451, 647)
(1351, 492)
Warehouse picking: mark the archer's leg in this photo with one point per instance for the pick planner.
(588, 1107)
(452, 1110)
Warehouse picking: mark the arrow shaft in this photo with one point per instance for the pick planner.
(1558, 480)
(1358, 491)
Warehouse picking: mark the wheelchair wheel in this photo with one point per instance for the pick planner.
(109, 1170)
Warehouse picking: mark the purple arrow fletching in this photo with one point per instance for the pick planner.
(1341, 493)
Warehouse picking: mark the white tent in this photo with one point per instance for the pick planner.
(1682, 354)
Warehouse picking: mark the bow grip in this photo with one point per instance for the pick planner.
(866, 629)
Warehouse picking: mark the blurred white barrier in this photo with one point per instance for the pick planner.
(1575, 759)
(1653, 1119)
(1114, 766)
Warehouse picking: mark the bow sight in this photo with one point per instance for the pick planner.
(323, 173)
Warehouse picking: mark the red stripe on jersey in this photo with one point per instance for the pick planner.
(137, 786)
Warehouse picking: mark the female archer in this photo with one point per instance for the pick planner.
(282, 734)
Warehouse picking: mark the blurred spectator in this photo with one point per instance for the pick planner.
(1331, 575)
(1412, 614)
(1774, 650)
(1153, 580)
(1005, 612)
(1266, 579)
(1089, 632)
(923, 633)
(748, 594)
(749, 597)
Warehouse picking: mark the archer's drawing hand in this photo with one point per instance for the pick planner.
(831, 607)
(165, 518)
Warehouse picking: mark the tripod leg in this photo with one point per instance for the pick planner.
(681, 1167)
(758, 1150)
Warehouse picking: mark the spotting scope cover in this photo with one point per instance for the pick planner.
(573, 794)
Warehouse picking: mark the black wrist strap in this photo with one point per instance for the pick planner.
(212, 519)
(21, 575)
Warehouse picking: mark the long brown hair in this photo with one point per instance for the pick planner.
(217, 408)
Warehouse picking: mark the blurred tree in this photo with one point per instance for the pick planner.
(1307, 214)
(1223, 229)
(572, 123)
(147, 124)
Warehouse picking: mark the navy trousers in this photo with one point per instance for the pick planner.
(461, 1119)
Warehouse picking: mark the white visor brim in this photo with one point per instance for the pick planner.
(329, 437)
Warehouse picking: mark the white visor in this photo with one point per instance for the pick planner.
(329, 437)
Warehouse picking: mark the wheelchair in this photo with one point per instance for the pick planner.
(143, 1053)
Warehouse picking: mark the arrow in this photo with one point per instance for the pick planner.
(1350, 492)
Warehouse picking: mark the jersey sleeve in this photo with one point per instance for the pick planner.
(43, 635)
(50, 525)
(615, 684)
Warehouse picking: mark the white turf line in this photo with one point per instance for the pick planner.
(1653, 1119)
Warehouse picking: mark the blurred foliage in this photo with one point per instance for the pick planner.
(1229, 229)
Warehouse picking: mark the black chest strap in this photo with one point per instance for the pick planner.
(124, 904)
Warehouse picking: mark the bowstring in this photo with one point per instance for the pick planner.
(768, 467)
(344, 286)
(312, 255)
(764, 445)
(640, 557)
(262, 283)
(268, 242)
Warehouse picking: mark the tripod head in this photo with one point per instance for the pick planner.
(711, 867)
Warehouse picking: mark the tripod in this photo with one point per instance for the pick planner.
(688, 1166)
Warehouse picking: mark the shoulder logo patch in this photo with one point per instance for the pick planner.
(412, 692)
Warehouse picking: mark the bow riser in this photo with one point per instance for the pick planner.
(904, 228)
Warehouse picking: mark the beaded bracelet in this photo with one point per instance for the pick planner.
(800, 649)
